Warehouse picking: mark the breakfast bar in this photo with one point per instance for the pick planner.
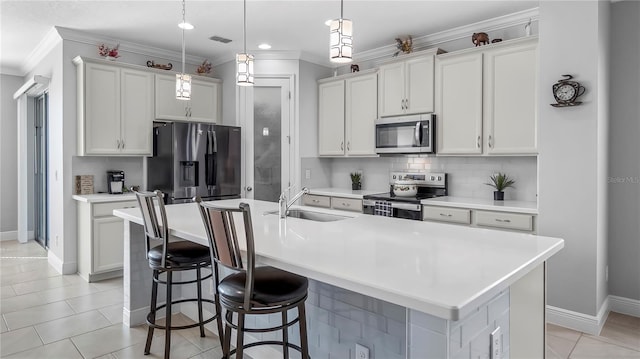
(405, 288)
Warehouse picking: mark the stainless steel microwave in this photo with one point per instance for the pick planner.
(406, 134)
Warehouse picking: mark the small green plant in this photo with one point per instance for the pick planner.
(500, 181)
(356, 177)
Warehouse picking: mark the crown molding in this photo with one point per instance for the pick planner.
(48, 43)
(126, 46)
(461, 32)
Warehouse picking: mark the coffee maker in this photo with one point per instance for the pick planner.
(115, 181)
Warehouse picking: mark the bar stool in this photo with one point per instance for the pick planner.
(251, 290)
(169, 257)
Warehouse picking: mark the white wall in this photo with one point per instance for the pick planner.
(570, 161)
(8, 158)
(624, 166)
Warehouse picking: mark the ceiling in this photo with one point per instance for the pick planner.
(286, 25)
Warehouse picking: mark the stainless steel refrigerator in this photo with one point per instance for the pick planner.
(194, 159)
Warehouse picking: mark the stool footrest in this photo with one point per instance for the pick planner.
(164, 327)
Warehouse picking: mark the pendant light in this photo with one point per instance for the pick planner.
(244, 61)
(341, 39)
(183, 81)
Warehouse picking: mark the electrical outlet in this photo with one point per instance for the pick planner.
(362, 352)
(307, 174)
(496, 344)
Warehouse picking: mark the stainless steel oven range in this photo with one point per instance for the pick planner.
(406, 204)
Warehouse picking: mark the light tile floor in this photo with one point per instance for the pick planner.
(47, 315)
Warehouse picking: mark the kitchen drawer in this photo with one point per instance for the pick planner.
(346, 204)
(316, 201)
(522, 222)
(106, 209)
(444, 214)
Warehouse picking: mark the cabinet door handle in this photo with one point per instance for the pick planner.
(315, 201)
(490, 141)
(446, 214)
(346, 204)
(118, 142)
(503, 220)
(122, 144)
(478, 142)
(349, 146)
(342, 146)
(406, 104)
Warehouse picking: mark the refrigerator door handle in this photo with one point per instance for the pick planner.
(215, 141)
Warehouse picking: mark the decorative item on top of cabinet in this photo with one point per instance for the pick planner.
(107, 52)
(500, 181)
(566, 92)
(480, 38)
(205, 68)
(404, 45)
(355, 68)
(152, 64)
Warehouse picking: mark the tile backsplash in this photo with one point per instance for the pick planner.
(467, 175)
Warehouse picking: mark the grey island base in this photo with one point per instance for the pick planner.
(404, 289)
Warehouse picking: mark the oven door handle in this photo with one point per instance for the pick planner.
(407, 206)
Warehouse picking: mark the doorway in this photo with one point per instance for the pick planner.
(40, 169)
(268, 128)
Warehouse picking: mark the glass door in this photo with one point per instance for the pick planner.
(40, 192)
(268, 139)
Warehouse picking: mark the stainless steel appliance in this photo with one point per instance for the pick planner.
(195, 159)
(406, 134)
(115, 181)
(429, 185)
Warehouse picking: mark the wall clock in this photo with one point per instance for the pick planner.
(566, 92)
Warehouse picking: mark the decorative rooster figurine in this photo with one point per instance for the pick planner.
(404, 46)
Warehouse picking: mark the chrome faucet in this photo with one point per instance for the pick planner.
(283, 205)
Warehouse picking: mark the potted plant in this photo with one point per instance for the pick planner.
(356, 181)
(500, 181)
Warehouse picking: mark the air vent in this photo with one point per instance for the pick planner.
(220, 39)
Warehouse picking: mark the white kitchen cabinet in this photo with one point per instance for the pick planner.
(511, 99)
(204, 106)
(115, 109)
(101, 239)
(406, 86)
(480, 218)
(486, 100)
(346, 115)
(334, 202)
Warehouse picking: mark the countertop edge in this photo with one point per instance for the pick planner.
(104, 197)
(497, 206)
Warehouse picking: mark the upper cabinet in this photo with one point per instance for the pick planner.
(204, 106)
(486, 100)
(346, 115)
(406, 87)
(115, 109)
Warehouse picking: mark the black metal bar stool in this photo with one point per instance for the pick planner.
(251, 290)
(169, 257)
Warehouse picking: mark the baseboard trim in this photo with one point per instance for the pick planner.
(585, 323)
(135, 317)
(60, 266)
(624, 305)
(13, 235)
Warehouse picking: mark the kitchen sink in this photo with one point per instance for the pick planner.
(311, 215)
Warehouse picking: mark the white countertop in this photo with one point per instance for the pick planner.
(104, 197)
(342, 192)
(443, 270)
(484, 203)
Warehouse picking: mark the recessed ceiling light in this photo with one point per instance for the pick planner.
(185, 25)
(328, 22)
(264, 46)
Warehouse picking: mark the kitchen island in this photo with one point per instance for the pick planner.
(453, 285)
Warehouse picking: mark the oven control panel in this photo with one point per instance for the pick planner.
(432, 179)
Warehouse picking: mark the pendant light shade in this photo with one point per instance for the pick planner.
(341, 39)
(183, 81)
(244, 61)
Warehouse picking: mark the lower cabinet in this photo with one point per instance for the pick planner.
(340, 203)
(480, 218)
(100, 240)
